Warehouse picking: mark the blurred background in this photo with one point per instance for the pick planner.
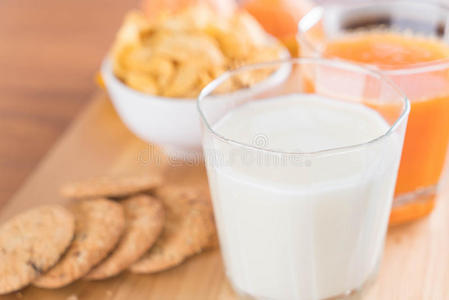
(49, 53)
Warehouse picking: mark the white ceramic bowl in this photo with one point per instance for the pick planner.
(171, 123)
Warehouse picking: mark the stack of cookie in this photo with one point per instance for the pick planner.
(113, 224)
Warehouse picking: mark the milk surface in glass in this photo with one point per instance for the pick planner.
(301, 226)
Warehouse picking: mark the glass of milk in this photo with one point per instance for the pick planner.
(302, 158)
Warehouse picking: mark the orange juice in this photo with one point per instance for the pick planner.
(279, 18)
(387, 50)
(409, 61)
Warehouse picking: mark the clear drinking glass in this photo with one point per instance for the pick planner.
(302, 180)
(425, 84)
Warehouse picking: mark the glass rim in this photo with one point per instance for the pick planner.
(209, 88)
(416, 68)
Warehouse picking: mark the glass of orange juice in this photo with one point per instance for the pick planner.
(409, 42)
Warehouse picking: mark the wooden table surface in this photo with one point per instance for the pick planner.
(49, 53)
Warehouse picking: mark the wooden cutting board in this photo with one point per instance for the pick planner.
(415, 263)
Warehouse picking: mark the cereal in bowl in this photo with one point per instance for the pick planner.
(176, 55)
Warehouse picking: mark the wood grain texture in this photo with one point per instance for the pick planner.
(49, 52)
(415, 264)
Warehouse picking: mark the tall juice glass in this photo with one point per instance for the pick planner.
(407, 41)
(302, 182)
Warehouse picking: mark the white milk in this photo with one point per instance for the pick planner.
(305, 226)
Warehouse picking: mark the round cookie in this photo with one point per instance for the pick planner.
(99, 224)
(144, 223)
(31, 243)
(105, 187)
(189, 228)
